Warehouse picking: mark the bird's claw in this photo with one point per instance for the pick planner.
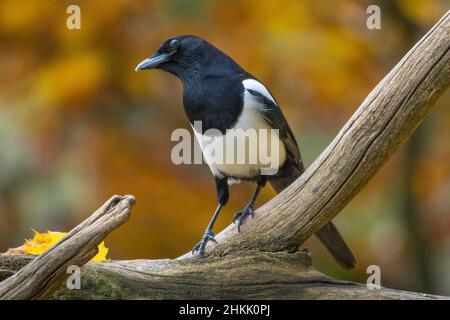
(241, 215)
(200, 247)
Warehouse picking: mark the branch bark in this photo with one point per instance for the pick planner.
(46, 273)
(263, 262)
(238, 275)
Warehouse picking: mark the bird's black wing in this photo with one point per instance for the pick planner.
(273, 115)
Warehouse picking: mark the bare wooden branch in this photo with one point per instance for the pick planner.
(243, 275)
(383, 122)
(44, 274)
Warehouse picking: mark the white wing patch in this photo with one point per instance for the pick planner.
(252, 84)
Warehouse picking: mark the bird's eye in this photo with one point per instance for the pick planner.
(174, 44)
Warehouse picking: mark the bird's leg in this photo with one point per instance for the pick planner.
(249, 208)
(208, 235)
(222, 197)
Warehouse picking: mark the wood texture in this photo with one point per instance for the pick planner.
(45, 273)
(240, 275)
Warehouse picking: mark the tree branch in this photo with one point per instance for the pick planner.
(243, 275)
(46, 273)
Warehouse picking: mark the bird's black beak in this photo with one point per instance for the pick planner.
(153, 62)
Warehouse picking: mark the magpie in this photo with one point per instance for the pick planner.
(223, 96)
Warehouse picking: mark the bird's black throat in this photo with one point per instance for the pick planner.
(216, 101)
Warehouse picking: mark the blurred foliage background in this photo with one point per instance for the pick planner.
(78, 125)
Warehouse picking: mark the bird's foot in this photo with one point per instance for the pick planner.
(241, 215)
(200, 247)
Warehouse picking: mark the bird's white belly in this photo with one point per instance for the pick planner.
(261, 152)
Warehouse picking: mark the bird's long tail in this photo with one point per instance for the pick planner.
(328, 235)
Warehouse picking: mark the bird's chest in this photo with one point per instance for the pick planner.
(244, 149)
(214, 105)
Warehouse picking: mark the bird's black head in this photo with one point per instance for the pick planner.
(183, 56)
(188, 57)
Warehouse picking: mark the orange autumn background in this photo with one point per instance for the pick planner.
(78, 125)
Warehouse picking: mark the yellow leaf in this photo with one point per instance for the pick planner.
(42, 241)
(102, 252)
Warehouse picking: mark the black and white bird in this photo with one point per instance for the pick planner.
(222, 95)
